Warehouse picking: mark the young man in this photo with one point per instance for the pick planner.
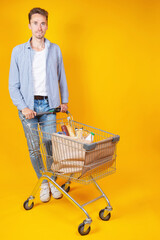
(36, 75)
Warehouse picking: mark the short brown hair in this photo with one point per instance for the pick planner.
(39, 11)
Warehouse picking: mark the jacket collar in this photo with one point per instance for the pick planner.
(47, 43)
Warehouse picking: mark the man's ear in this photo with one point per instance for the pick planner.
(29, 26)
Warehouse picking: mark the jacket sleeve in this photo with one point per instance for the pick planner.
(14, 82)
(62, 80)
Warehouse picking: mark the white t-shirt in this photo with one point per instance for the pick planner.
(39, 73)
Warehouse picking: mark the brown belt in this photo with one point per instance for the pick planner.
(40, 97)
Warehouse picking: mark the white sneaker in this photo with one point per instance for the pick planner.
(55, 192)
(45, 192)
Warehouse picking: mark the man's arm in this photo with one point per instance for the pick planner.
(14, 87)
(63, 84)
(14, 83)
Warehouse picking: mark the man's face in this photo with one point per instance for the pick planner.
(38, 25)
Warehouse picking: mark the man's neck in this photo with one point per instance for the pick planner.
(37, 44)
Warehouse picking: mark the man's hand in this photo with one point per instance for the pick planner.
(64, 107)
(28, 113)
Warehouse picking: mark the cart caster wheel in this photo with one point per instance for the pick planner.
(81, 229)
(68, 188)
(26, 206)
(103, 217)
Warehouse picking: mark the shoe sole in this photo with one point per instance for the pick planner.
(58, 198)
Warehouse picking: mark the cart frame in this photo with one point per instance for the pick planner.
(105, 213)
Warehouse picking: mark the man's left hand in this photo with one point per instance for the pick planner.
(64, 107)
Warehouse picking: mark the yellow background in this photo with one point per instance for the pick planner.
(111, 55)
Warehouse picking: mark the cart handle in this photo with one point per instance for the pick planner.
(54, 110)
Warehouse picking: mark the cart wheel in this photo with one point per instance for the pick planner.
(68, 188)
(104, 218)
(26, 206)
(81, 229)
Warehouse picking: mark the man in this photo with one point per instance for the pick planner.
(36, 75)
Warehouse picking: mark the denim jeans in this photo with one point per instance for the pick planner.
(30, 127)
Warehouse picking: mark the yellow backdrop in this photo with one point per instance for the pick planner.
(111, 55)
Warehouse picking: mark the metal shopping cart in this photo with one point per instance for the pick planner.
(73, 159)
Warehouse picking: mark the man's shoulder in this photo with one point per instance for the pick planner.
(54, 45)
(55, 48)
(19, 47)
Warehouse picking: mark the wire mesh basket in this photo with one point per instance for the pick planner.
(74, 158)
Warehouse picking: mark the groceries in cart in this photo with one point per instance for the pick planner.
(77, 133)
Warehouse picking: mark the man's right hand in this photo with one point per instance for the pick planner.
(28, 113)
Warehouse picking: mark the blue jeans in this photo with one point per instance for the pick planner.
(30, 127)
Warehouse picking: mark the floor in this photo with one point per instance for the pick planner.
(135, 201)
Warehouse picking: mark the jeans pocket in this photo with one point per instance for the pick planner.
(46, 100)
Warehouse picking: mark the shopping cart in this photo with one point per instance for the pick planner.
(75, 160)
